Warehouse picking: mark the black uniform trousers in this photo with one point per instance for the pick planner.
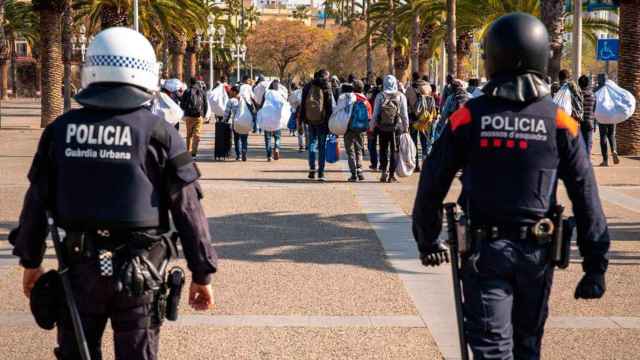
(506, 298)
(134, 333)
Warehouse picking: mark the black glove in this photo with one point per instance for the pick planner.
(592, 286)
(438, 255)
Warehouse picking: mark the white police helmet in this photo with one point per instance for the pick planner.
(120, 70)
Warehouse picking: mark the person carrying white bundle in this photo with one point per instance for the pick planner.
(272, 117)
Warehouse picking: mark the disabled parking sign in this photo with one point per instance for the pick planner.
(608, 49)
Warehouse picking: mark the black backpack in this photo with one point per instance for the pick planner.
(192, 103)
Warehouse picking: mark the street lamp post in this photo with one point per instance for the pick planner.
(212, 41)
(239, 54)
(136, 15)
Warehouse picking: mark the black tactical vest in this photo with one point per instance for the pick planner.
(101, 180)
(511, 175)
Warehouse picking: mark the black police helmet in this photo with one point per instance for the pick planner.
(47, 300)
(516, 44)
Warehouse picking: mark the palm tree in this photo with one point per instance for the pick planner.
(369, 38)
(552, 15)
(19, 22)
(629, 73)
(391, 29)
(451, 37)
(67, 50)
(4, 56)
(50, 35)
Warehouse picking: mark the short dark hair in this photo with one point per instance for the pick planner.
(223, 78)
(358, 86)
(434, 89)
(275, 85)
(379, 81)
(474, 82)
(193, 81)
(322, 74)
(584, 81)
(245, 78)
(235, 89)
(415, 76)
(425, 78)
(564, 75)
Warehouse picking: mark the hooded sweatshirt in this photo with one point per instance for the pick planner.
(389, 88)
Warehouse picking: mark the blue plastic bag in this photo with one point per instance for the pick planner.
(332, 149)
(359, 118)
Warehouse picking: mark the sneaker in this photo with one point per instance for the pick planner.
(269, 159)
(373, 167)
(383, 177)
(312, 175)
(616, 159)
(604, 164)
(321, 177)
(276, 155)
(301, 149)
(237, 157)
(353, 178)
(244, 157)
(360, 176)
(392, 179)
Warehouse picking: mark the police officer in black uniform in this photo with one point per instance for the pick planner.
(111, 173)
(513, 145)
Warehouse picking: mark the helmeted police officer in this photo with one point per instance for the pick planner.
(513, 144)
(110, 173)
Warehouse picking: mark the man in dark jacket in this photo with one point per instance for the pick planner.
(315, 110)
(111, 174)
(513, 144)
(195, 105)
(588, 108)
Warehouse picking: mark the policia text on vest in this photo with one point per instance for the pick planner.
(110, 135)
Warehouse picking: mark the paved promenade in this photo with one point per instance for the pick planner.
(327, 271)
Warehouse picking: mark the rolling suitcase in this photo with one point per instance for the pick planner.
(222, 145)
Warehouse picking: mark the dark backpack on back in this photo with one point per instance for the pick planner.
(389, 112)
(193, 104)
(314, 106)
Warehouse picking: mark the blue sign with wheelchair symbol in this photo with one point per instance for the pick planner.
(608, 49)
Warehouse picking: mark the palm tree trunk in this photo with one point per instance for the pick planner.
(50, 35)
(463, 50)
(415, 44)
(4, 57)
(177, 49)
(628, 134)
(423, 54)
(165, 57)
(67, 48)
(391, 29)
(551, 12)
(4, 78)
(14, 68)
(402, 59)
(452, 64)
(191, 60)
(369, 40)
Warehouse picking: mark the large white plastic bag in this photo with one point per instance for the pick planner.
(173, 85)
(274, 114)
(218, 99)
(167, 109)
(339, 120)
(563, 99)
(614, 104)
(406, 156)
(243, 122)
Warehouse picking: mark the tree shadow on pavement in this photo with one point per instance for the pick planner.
(299, 238)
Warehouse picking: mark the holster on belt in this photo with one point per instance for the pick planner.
(561, 249)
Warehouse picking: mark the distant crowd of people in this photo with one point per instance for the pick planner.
(379, 111)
